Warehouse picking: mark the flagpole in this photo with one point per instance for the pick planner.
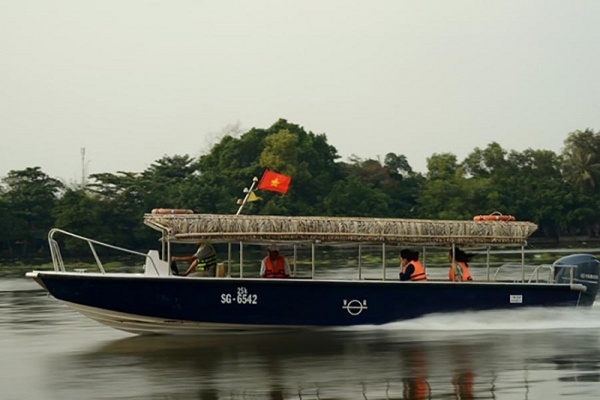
(254, 180)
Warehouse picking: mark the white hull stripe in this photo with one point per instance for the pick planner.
(144, 325)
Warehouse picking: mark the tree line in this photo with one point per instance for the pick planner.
(557, 191)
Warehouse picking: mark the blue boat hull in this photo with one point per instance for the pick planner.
(294, 302)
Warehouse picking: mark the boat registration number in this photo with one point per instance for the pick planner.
(516, 298)
(242, 297)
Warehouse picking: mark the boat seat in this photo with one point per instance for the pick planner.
(162, 267)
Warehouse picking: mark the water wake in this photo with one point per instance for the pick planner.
(502, 320)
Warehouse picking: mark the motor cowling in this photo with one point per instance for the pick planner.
(586, 269)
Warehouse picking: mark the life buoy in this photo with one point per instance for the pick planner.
(171, 211)
(495, 216)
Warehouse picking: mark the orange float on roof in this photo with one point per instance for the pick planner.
(495, 216)
(171, 211)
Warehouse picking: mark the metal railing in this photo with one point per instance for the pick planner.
(511, 266)
(536, 271)
(59, 264)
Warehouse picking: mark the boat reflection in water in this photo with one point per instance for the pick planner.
(366, 364)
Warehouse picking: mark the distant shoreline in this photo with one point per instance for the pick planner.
(566, 241)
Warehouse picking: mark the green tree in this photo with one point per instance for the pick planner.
(354, 197)
(285, 148)
(12, 229)
(448, 194)
(443, 166)
(164, 183)
(280, 152)
(121, 197)
(487, 162)
(394, 179)
(31, 196)
(534, 189)
(84, 214)
(581, 160)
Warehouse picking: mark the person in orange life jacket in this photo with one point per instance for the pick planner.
(274, 265)
(203, 261)
(410, 267)
(463, 385)
(459, 268)
(415, 385)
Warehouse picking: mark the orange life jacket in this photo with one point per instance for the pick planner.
(416, 388)
(275, 272)
(463, 385)
(466, 275)
(419, 273)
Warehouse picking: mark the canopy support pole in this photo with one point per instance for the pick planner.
(453, 266)
(487, 264)
(241, 259)
(229, 259)
(313, 261)
(383, 260)
(522, 263)
(295, 259)
(359, 261)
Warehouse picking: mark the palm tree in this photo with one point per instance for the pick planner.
(581, 168)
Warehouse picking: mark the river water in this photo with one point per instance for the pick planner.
(50, 352)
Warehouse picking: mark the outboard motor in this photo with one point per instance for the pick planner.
(585, 272)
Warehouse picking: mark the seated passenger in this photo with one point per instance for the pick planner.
(459, 269)
(274, 265)
(410, 267)
(203, 261)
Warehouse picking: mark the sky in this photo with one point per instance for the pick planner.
(133, 81)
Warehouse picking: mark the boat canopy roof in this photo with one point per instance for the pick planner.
(269, 228)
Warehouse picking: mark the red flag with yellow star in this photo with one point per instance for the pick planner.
(274, 182)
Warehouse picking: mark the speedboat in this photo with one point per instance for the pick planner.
(155, 300)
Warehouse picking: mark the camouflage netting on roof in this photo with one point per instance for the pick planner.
(257, 228)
